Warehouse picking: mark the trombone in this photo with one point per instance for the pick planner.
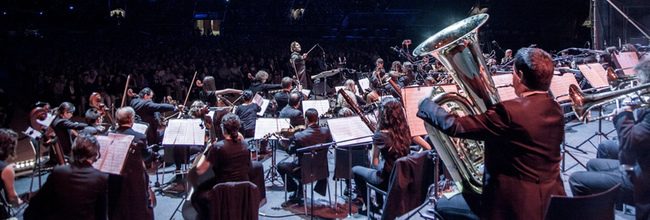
(582, 103)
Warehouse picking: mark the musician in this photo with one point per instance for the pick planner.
(129, 193)
(62, 126)
(312, 135)
(282, 98)
(247, 112)
(209, 93)
(298, 63)
(259, 85)
(8, 142)
(292, 110)
(522, 156)
(408, 76)
(93, 119)
(507, 57)
(602, 174)
(350, 88)
(391, 141)
(149, 112)
(73, 191)
(229, 159)
(377, 74)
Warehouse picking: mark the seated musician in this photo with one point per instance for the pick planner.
(391, 141)
(522, 156)
(247, 112)
(149, 112)
(634, 135)
(350, 88)
(129, 196)
(93, 119)
(312, 135)
(259, 85)
(292, 110)
(209, 93)
(62, 126)
(229, 159)
(507, 57)
(74, 191)
(8, 141)
(282, 98)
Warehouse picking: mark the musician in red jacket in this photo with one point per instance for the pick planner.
(522, 141)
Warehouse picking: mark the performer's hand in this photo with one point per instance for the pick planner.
(199, 83)
(180, 107)
(250, 76)
(304, 56)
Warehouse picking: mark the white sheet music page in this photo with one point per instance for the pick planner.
(345, 130)
(184, 132)
(47, 121)
(505, 93)
(560, 86)
(140, 128)
(114, 149)
(265, 126)
(411, 97)
(322, 106)
(364, 83)
(595, 74)
(264, 106)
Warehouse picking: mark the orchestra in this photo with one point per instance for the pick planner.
(500, 158)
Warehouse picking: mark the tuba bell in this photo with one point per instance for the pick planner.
(457, 48)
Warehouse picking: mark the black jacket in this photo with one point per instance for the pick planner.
(62, 128)
(147, 110)
(71, 192)
(294, 115)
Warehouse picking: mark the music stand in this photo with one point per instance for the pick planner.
(411, 98)
(266, 128)
(322, 106)
(325, 74)
(346, 132)
(560, 90)
(114, 149)
(182, 133)
(503, 82)
(626, 62)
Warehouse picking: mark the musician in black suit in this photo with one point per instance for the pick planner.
(292, 110)
(259, 85)
(297, 62)
(62, 126)
(74, 191)
(633, 169)
(282, 98)
(149, 112)
(229, 159)
(522, 142)
(247, 112)
(312, 135)
(209, 93)
(130, 197)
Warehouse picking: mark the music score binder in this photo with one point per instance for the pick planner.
(114, 149)
(349, 131)
(265, 126)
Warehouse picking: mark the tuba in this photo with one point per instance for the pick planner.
(457, 48)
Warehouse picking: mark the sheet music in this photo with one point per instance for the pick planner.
(305, 92)
(344, 130)
(47, 121)
(264, 106)
(505, 93)
(627, 61)
(184, 132)
(411, 97)
(560, 86)
(448, 87)
(32, 133)
(114, 149)
(364, 83)
(595, 74)
(141, 128)
(264, 126)
(322, 106)
(337, 88)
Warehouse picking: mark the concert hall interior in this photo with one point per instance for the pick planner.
(331, 109)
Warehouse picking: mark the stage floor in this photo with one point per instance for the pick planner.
(275, 194)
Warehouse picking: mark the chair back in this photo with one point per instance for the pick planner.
(598, 206)
(342, 167)
(234, 200)
(313, 163)
(409, 184)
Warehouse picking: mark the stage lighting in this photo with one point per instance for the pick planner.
(71, 7)
(40, 13)
(4, 13)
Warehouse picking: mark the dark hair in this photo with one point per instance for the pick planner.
(145, 91)
(294, 98)
(287, 82)
(536, 67)
(379, 60)
(311, 115)
(230, 125)
(247, 95)
(91, 116)
(209, 84)
(396, 66)
(85, 147)
(65, 107)
(8, 139)
(393, 120)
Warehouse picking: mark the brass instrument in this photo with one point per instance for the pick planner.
(582, 104)
(457, 48)
(615, 80)
(357, 110)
